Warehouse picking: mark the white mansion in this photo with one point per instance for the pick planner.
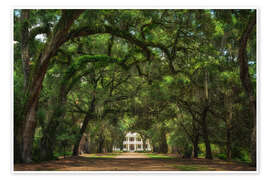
(133, 142)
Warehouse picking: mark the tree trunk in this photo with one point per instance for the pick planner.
(86, 120)
(247, 84)
(109, 147)
(64, 151)
(195, 146)
(48, 139)
(205, 134)
(155, 149)
(55, 41)
(121, 144)
(29, 131)
(25, 46)
(144, 143)
(208, 154)
(195, 137)
(82, 131)
(229, 127)
(163, 144)
(229, 145)
(17, 148)
(100, 144)
(19, 121)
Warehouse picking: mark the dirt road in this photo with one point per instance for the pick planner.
(132, 162)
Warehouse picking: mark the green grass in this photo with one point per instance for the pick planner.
(191, 168)
(158, 156)
(106, 155)
(58, 154)
(246, 161)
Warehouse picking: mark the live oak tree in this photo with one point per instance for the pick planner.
(180, 78)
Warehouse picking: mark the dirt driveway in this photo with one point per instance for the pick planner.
(132, 162)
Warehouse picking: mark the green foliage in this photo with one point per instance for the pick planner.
(36, 149)
(221, 156)
(82, 60)
(41, 116)
(240, 154)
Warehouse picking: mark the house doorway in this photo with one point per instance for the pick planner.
(131, 147)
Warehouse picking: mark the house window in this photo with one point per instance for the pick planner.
(125, 146)
(131, 139)
(138, 139)
(139, 146)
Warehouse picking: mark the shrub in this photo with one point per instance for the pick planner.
(221, 156)
(188, 151)
(240, 154)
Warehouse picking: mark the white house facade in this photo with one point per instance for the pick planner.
(133, 142)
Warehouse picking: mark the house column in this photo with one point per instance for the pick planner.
(128, 144)
(135, 143)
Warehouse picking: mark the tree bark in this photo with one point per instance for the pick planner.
(19, 121)
(28, 131)
(208, 154)
(86, 120)
(206, 134)
(25, 46)
(155, 148)
(163, 145)
(100, 143)
(47, 143)
(195, 145)
(228, 126)
(144, 144)
(195, 137)
(247, 84)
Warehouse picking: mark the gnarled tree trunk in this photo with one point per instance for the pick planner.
(57, 38)
(86, 120)
(246, 82)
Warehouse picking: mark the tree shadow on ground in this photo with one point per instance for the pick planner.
(80, 163)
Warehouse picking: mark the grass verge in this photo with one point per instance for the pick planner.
(158, 156)
(192, 168)
(103, 155)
